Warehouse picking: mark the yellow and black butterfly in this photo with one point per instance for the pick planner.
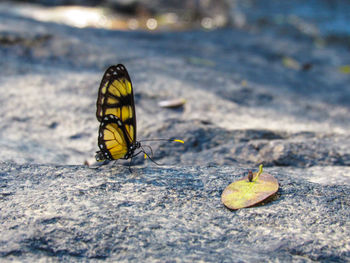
(116, 114)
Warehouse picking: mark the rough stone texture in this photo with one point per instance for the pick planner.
(243, 107)
(168, 214)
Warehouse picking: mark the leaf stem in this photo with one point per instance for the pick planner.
(258, 173)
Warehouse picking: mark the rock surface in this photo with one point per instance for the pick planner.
(166, 214)
(245, 105)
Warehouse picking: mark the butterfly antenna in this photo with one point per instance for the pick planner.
(167, 140)
(130, 164)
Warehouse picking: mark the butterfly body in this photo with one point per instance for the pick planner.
(116, 114)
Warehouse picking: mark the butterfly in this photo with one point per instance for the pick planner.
(117, 117)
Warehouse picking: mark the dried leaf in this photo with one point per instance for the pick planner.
(247, 192)
(175, 103)
(291, 63)
(344, 69)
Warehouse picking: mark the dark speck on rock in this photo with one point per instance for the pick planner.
(20, 119)
(78, 136)
(53, 125)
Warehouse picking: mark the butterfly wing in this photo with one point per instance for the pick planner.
(112, 139)
(116, 97)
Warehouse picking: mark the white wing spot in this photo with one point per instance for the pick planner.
(101, 134)
(101, 145)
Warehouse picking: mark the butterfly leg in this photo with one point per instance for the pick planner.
(130, 165)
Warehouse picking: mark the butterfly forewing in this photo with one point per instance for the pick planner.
(115, 97)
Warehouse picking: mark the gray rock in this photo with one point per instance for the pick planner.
(166, 214)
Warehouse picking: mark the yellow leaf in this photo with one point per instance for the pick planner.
(244, 193)
(344, 69)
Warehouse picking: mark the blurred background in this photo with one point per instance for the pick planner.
(264, 81)
(326, 18)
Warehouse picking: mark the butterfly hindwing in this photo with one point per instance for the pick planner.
(115, 97)
(112, 139)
